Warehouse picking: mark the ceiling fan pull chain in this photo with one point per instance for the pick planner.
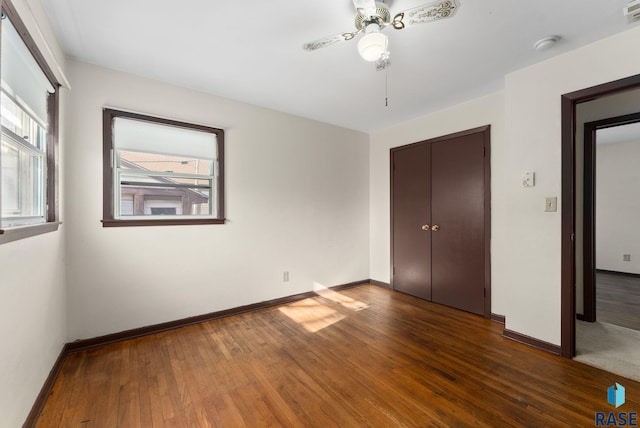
(386, 87)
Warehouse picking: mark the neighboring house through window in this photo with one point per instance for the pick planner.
(160, 171)
(28, 116)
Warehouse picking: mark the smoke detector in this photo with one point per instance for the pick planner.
(632, 11)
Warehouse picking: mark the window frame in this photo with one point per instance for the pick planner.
(52, 214)
(109, 219)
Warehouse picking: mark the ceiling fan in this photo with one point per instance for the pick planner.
(372, 17)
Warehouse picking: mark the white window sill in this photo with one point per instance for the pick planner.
(21, 232)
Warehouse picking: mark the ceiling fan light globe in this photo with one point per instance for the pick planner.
(372, 45)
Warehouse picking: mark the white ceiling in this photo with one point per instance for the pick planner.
(251, 50)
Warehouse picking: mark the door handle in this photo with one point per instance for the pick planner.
(425, 227)
(435, 228)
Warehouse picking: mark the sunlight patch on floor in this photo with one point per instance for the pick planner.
(346, 301)
(312, 315)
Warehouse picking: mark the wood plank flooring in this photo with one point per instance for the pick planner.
(618, 300)
(361, 357)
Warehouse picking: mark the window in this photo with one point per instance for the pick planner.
(160, 171)
(28, 116)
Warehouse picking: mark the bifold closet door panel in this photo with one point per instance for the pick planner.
(457, 214)
(411, 243)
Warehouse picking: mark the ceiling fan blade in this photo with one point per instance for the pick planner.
(328, 41)
(425, 13)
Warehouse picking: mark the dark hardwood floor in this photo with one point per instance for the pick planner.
(618, 299)
(365, 356)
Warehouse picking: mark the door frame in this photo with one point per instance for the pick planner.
(589, 222)
(569, 102)
(486, 131)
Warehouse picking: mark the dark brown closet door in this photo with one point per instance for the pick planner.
(411, 245)
(458, 217)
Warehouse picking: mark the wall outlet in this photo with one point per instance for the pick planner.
(626, 257)
(285, 276)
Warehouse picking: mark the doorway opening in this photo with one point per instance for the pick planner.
(569, 183)
(611, 201)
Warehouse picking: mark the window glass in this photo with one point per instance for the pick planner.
(22, 184)
(24, 119)
(165, 163)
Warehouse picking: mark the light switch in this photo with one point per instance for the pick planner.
(551, 204)
(529, 179)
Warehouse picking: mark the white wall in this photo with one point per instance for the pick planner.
(533, 133)
(484, 111)
(32, 283)
(526, 136)
(32, 320)
(618, 206)
(296, 199)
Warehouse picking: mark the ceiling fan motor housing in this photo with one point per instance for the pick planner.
(381, 16)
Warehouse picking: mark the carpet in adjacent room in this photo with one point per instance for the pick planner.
(609, 347)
